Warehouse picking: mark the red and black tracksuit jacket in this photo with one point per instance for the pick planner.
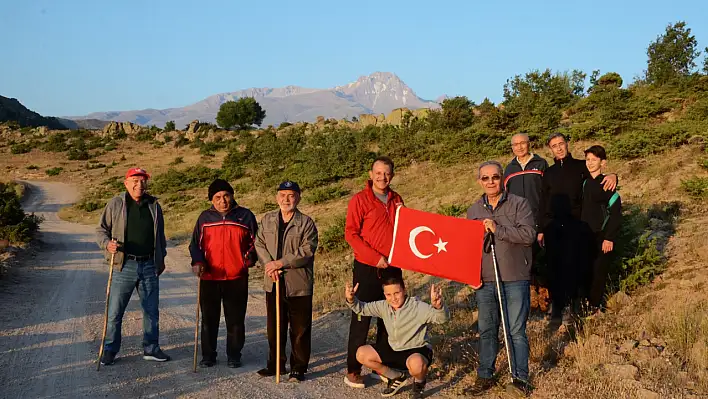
(224, 244)
(369, 225)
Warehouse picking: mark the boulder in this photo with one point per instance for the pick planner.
(367, 120)
(396, 116)
(643, 393)
(622, 371)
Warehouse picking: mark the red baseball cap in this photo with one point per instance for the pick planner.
(136, 172)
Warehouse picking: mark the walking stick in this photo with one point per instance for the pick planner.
(196, 327)
(105, 312)
(277, 330)
(490, 237)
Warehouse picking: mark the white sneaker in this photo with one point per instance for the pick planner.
(355, 382)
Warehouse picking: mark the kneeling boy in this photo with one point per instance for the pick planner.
(406, 320)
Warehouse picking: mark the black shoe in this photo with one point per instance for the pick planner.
(267, 372)
(157, 355)
(234, 363)
(418, 388)
(519, 388)
(394, 385)
(108, 358)
(207, 363)
(296, 376)
(480, 386)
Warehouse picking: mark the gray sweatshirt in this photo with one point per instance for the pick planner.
(407, 327)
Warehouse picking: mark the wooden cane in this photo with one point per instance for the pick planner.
(277, 330)
(105, 312)
(196, 327)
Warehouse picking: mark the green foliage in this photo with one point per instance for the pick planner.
(332, 238)
(177, 161)
(457, 112)
(178, 180)
(15, 225)
(181, 140)
(696, 187)
(90, 205)
(284, 124)
(78, 153)
(145, 135)
(453, 210)
(646, 264)
(54, 171)
(20, 148)
(672, 55)
(242, 113)
(704, 164)
(170, 126)
(319, 195)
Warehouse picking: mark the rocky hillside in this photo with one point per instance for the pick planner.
(12, 110)
(378, 93)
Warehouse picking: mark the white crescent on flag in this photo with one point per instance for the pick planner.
(411, 241)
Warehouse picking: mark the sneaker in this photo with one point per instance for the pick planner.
(297, 376)
(108, 358)
(418, 388)
(267, 372)
(519, 388)
(354, 380)
(157, 355)
(233, 363)
(480, 386)
(207, 363)
(394, 385)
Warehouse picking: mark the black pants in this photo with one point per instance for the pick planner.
(297, 312)
(369, 279)
(596, 280)
(234, 295)
(568, 245)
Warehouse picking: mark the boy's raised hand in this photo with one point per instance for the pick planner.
(349, 292)
(435, 296)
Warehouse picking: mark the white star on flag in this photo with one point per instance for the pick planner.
(441, 245)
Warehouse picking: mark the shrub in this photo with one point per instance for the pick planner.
(177, 161)
(54, 171)
(15, 225)
(90, 205)
(323, 194)
(453, 210)
(178, 180)
(145, 135)
(170, 126)
(332, 239)
(20, 148)
(696, 187)
(181, 140)
(78, 153)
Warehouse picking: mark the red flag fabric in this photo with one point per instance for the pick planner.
(438, 245)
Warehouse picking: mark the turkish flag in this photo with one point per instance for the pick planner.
(438, 245)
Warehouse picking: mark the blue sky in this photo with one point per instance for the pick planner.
(72, 57)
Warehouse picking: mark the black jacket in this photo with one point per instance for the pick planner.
(562, 190)
(595, 203)
(526, 182)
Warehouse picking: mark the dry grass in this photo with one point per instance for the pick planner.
(674, 307)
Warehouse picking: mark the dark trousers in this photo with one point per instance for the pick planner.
(568, 244)
(596, 280)
(295, 311)
(234, 295)
(369, 279)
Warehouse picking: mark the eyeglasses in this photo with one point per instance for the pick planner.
(485, 179)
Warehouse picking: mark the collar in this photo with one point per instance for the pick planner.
(568, 157)
(370, 188)
(234, 206)
(487, 205)
(146, 199)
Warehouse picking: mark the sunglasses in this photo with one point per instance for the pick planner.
(485, 179)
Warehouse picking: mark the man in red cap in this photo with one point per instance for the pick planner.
(132, 227)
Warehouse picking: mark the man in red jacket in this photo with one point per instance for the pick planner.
(369, 231)
(222, 250)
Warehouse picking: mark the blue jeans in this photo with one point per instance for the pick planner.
(143, 276)
(517, 301)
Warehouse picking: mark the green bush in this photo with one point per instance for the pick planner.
(181, 140)
(696, 187)
(15, 225)
(177, 161)
(78, 153)
(646, 264)
(20, 148)
(453, 210)
(323, 194)
(54, 171)
(178, 180)
(90, 205)
(332, 239)
(145, 135)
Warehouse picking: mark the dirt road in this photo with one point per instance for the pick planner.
(51, 315)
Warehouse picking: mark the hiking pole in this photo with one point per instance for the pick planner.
(105, 312)
(490, 237)
(277, 330)
(196, 327)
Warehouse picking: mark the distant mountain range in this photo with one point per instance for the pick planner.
(380, 92)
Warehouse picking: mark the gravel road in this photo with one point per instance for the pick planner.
(51, 315)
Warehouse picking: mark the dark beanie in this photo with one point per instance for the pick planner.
(219, 185)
